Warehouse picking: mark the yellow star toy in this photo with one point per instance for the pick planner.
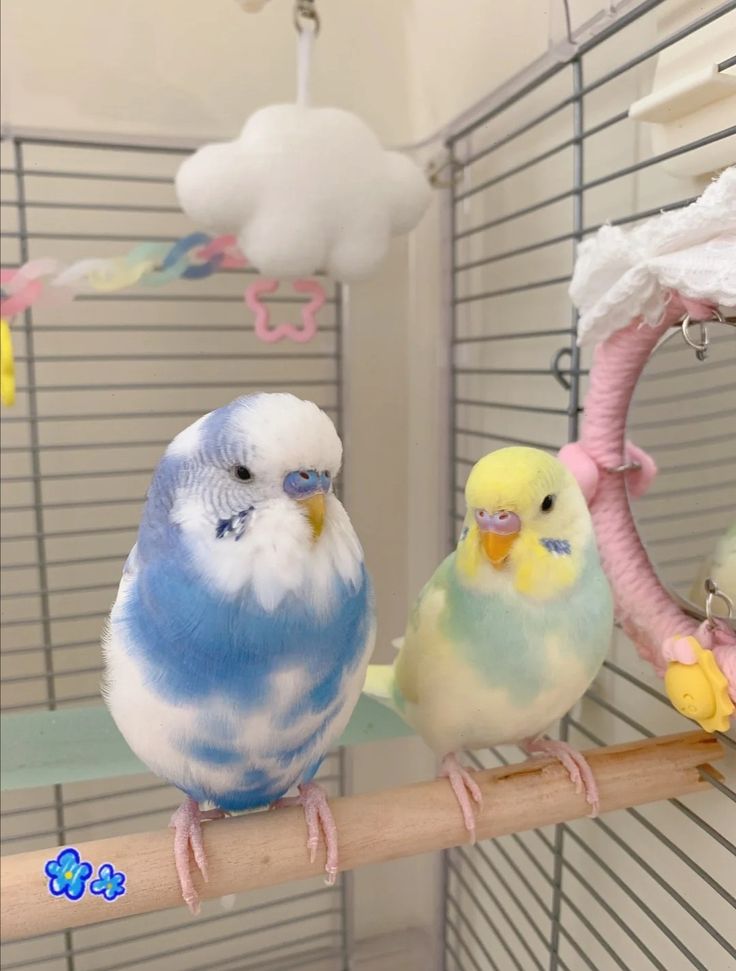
(700, 690)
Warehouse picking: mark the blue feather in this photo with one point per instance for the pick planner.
(256, 790)
(205, 645)
(560, 547)
(213, 754)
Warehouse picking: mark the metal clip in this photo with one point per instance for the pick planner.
(557, 369)
(306, 11)
(700, 347)
(437, 168)
(714, 592)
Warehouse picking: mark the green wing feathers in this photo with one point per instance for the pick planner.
(379, 684)
(396, 684)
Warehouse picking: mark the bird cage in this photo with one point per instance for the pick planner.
(105, 382)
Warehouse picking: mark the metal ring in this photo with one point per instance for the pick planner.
(305, 10)
(714, 592)
(626, 467)
(701, 348)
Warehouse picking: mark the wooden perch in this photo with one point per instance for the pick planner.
(267, 848)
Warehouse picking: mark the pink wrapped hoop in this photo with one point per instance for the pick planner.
(608, 469)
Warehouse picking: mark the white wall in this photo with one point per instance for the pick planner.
(460, 52)
(187, 67)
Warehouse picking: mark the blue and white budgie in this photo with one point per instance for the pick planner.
(238, 642)
(512, 627)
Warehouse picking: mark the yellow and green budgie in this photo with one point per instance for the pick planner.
(512, 627)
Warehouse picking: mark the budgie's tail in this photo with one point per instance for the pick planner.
(379, 684)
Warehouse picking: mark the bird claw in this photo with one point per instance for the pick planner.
(331, 877)
(462, 783)
(317, 814)
(574, 763)
(186, 822)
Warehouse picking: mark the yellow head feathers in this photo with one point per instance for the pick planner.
(515, 478)
(527, 521)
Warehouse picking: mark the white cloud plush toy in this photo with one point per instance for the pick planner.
(304, 190)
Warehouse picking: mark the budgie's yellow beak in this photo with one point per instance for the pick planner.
(315, 507)
(497, 547)
(309, 487)
(498, 533)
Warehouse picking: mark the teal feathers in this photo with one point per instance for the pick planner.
(498, 649)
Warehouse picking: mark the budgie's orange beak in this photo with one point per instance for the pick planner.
(497, 548)
(315, 507)
(498, 534)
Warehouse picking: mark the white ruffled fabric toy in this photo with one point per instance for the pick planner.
(305, 190)
(623, 274)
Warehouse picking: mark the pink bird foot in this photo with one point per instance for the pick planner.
(573, 761)
(462, 783)
(187, 825)
(313, 799)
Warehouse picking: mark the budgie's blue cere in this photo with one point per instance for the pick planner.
(238, 642)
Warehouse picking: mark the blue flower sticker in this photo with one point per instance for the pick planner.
(68, 874)
(109, 883)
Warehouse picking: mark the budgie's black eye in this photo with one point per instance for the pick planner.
(547, 503)
(242, 472)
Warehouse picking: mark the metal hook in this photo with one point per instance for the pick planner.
(437, 168)
(714, 592)
(700, 348)
(559, 377)
(306, 11)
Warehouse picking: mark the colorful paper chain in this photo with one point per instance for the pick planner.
(194, 257)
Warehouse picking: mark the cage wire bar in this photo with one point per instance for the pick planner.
(103, 385)
(540, 169)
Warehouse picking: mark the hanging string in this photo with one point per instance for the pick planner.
(304, 63)
(307, 23)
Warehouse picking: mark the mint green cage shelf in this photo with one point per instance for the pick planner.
(43, 748)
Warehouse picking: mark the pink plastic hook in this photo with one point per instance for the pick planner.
(270, 335)
(22, 299)
(228, 246)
